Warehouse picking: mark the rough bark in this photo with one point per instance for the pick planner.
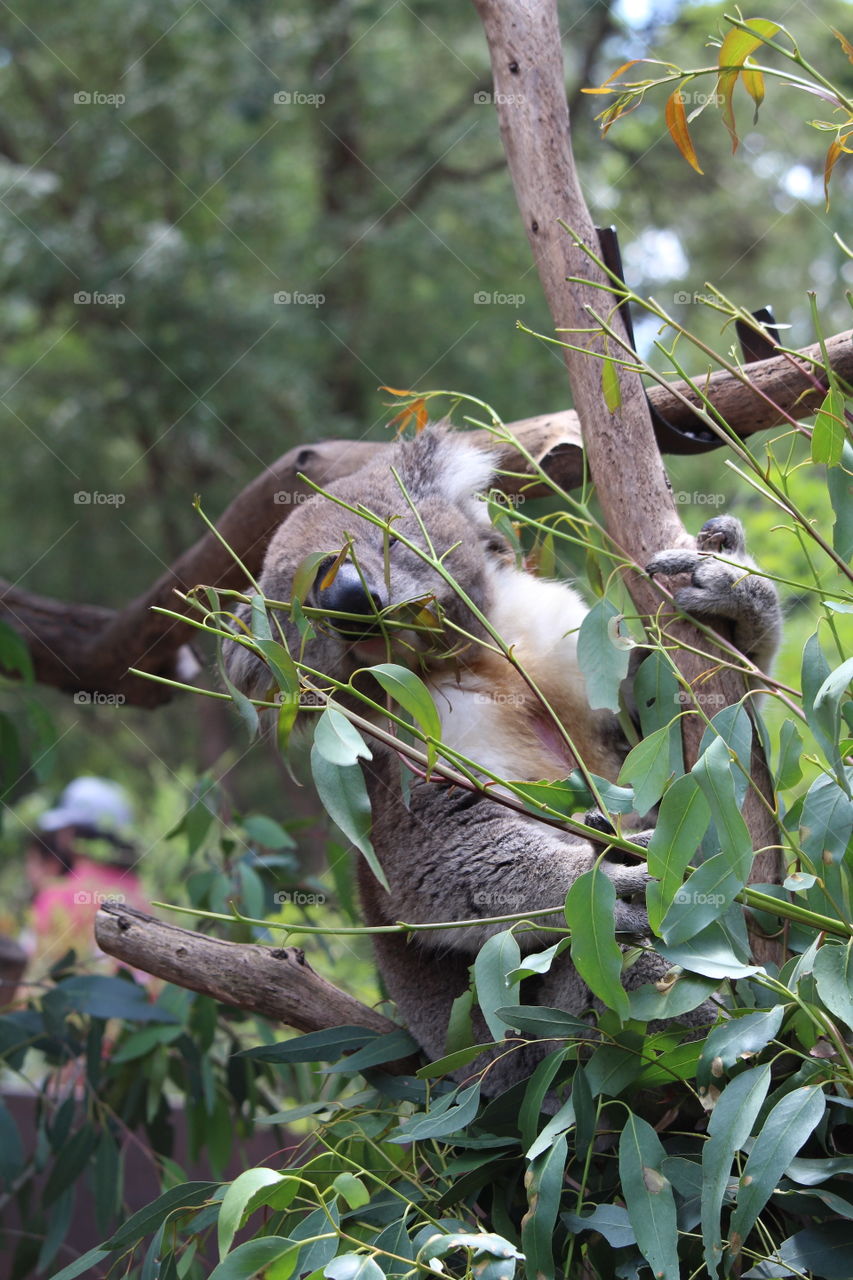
(631, 483)
(277, 983)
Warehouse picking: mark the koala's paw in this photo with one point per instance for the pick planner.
(725, 591)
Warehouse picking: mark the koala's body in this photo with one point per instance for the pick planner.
(449, 854)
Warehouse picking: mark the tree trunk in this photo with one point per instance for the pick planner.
(631, 483)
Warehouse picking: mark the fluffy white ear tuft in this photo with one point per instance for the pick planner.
(466, 470)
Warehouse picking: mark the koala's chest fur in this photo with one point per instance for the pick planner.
(504, 713)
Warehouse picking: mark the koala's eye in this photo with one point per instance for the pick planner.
(496, 546)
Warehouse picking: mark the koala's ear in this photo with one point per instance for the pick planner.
(441, 463)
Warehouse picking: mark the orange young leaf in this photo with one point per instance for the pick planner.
(836, 150)
(753, 82)
(395, 391)
(734, 51)
(607, 86)
(676, 122)
(421, 416)
(844, 42)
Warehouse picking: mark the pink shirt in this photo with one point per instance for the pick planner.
(63, 912)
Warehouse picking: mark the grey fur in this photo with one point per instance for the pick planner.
(448, 855)
(719, 589)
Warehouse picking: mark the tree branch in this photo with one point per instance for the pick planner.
(277, 983)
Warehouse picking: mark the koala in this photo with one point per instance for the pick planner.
(451, 854)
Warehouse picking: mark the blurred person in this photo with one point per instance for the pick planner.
(68, 881)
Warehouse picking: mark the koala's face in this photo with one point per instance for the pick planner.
(380, 596)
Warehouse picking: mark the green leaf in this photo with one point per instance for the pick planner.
(87, 1262)
(590, 912)
(731, 1123)
(648, 1197)
(177, 1200)
(613, 1067)
(315, 1046)
(705, 896)
(713, 773)
(682, 822)
(534, 1095)
(258, 1255)
(385, 1048)
(649, 1004)
(452, 1061)
(648, 767)
(412, 694)
(246, 708)
(104, 997)
(709, 953)
(354, 1266)
(245, 1194)
(839, 484)
(337, 740)
(452, 1113)
(826, 712)
(657, 695)
(603, 663)
(260, 623)
(833, 971)
(352, 1189)
(610, 1220)
(736, 1039)
(498, 956)
(610, 388)
(822, 1250)
(11, 1148)
(789, 770)
(544, 1181)
(554, 1130)
(267, 832)
(280, 664)
(787, 1127)
(343, 793)
(828, 434)
(538, 961)
(826, 822)
(537, 1020)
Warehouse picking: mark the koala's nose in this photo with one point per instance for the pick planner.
(350, 593)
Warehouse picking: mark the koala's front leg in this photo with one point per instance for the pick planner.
(729, 591)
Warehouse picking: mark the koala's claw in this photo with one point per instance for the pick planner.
(725, 591)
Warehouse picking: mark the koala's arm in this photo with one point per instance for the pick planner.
(450, 856)
(729, 591)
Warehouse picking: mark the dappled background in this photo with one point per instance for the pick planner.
(226, 225)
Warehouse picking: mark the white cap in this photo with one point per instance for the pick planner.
(90, 802)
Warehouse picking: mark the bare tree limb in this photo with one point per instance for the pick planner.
(277, 983)
(632, 486)
(84, 648)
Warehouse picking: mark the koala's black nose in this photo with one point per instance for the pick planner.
(349, 593)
